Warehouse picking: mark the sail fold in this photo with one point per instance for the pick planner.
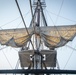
(54, 37)
(15, 37)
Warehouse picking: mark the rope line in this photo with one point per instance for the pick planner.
(7, 59)
(17, 65)
(23, 20)
(13, 20)
(3, 48)
(59, 12)
(21, 15)
(61, 16)
(54, 24)
(68, 60)
(71, 47)
(31, 7)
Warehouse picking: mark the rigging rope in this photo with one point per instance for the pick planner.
(70, 55)
(21, 15)
(71, 47)
(58, 64)
(31, 8)
(3, 48)
(57, 18)
(43, 15)
(14, 20)
(68, 60)
(9, 22)
(7, 59)
(17, 65)
(23, 20)
(61, 16)
(59, 12)
(54, 25)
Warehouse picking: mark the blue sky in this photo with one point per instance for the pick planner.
(9, 12)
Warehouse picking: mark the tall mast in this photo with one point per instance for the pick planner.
(38, 58)
(38, 16)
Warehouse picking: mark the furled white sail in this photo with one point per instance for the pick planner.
(15, 37)
(52, 36)
(58, 36)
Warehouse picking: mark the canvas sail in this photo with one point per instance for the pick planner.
(52, 36)
(58, 36)
(15, 37)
